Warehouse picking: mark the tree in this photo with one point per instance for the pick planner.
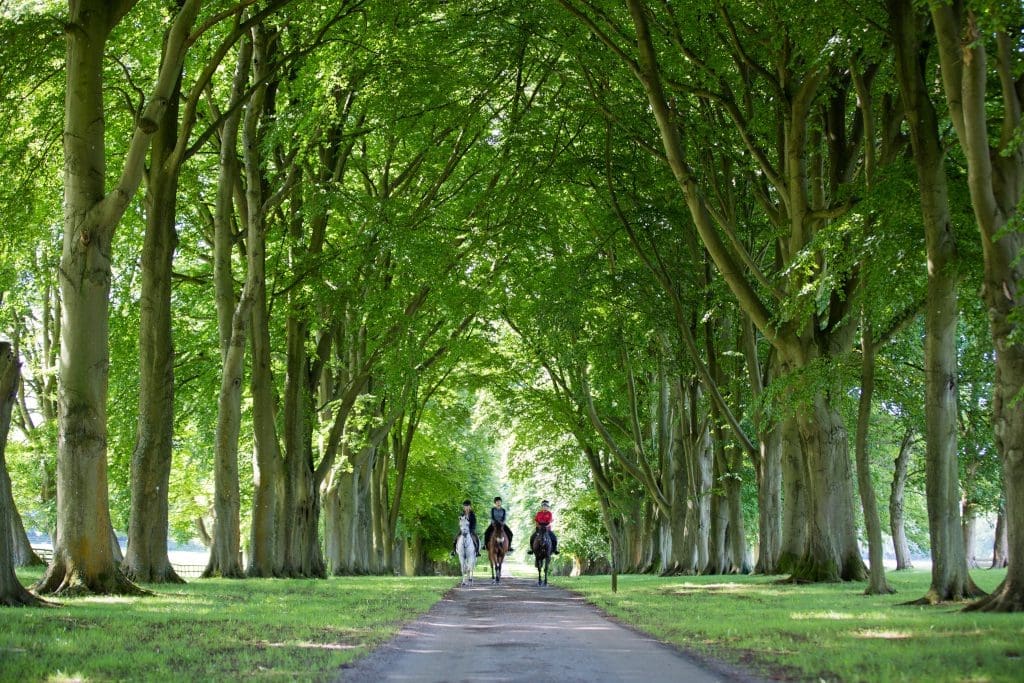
(950, 579)
(801, 197)
(966, 35)
(80, 563)
(12, 593)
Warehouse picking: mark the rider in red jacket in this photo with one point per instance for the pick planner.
(543, 518)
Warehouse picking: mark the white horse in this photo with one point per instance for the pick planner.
(465, 548)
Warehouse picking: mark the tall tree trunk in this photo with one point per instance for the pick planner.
(718, 561)
(999, 555)
(739, 554)
(896, 497)
(12, 593)
(82, 560)
(679, 482)
(794, 498)
(767, 463)
(303, 557)
(832, 552)
(877, 584)
(696, 465)
(995, 177)
(21, 548)
(232, 320)
(769, 501)
(970, 529)
(950, 578)
(269, 473)
(146, 557)
(225, 549)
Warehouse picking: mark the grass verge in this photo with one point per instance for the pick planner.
(213, 629)
(300, 630)
(828, 632)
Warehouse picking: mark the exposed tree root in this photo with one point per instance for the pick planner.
(63, 582)
(1003, 599)
(167, 575)
(932, 597)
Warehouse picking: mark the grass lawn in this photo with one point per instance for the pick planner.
(212, 630)
(829, 632)
(300, 630)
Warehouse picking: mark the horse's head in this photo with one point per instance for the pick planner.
(463, 525)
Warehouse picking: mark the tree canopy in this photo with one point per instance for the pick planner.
(675, 268)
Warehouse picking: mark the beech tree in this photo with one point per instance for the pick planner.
(658, 257)
(11, 591)
(950, 580)
(92, 213)
(807, 202)
(978, 42)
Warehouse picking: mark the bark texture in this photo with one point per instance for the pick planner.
(897, 525)
(995, 177)
(12, 593)
(950, 578)
(146, 557)
(83, 559)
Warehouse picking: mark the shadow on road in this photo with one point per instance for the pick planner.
(517, 631)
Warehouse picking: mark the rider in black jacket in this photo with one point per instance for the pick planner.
(498, 517)
(467, 510)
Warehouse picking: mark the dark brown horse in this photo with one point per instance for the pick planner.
(540, 543)
(497, 548)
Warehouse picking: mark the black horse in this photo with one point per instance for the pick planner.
(541, 546)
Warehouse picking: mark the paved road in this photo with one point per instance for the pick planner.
(521, 632)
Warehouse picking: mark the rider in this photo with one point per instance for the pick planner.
(467, 510)
(543, 519)
(498, 517)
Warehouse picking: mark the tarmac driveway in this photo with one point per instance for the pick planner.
(517, 631)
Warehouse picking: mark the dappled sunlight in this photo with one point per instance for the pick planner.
(60, 677)
(110, 599)
(316, 646)
(731, 588)
(831, 616)
(883, 635)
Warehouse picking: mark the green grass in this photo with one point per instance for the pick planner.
(212, 630)
(829, 632)
(305, 630)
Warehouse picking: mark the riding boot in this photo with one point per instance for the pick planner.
(530, 551)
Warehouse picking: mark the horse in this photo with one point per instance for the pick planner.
(541, 545)
(497, 547)
(465, 548)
